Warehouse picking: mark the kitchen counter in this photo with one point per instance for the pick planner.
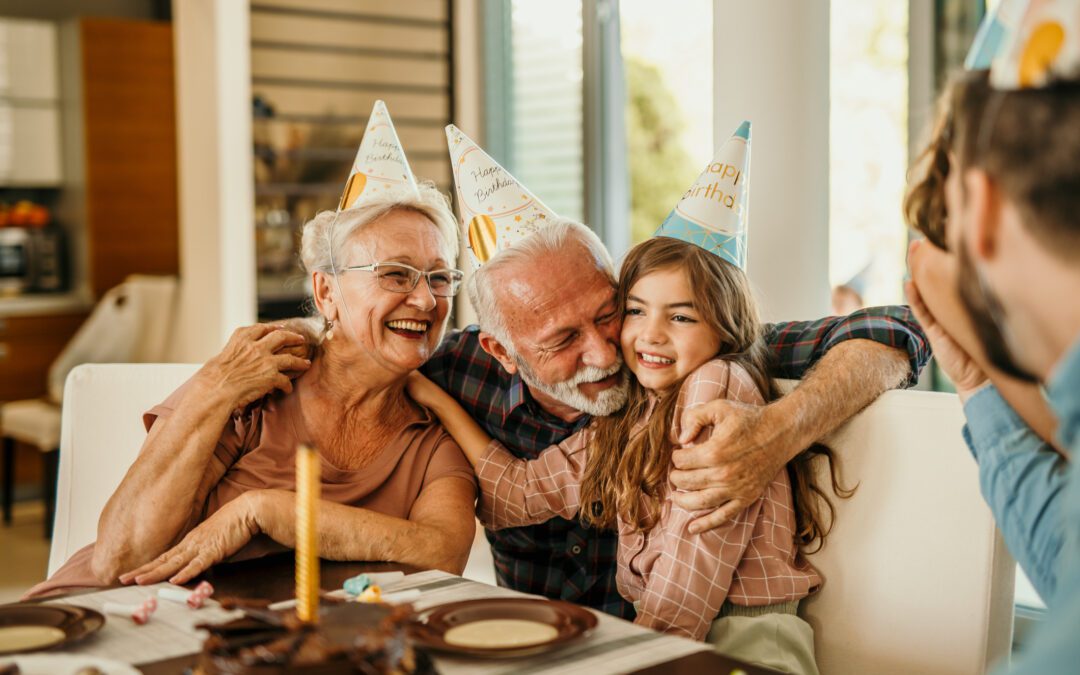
(33, 304)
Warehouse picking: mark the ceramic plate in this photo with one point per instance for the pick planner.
(570, 622)
(29, 627)
(66, 664)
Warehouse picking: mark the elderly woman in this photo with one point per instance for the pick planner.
(214, 478)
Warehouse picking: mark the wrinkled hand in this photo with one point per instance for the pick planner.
(957, 363)
(731, 469)
(212, 541)
(255, 362)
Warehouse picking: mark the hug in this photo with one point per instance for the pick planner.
(619, 431)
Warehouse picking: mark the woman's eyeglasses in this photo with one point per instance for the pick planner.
(402, 278)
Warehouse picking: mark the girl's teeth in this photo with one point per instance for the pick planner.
(649, 358)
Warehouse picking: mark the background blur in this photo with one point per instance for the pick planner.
(192, 139)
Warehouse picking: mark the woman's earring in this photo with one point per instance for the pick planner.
(329, 330)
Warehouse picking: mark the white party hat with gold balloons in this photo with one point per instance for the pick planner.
(496, 211)
(380, 161)
(713, 212)
(1043, 45)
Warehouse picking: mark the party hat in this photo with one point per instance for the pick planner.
(713, 212)
(1043, 45)
(380, 161)
(496, 211)
(993, 31)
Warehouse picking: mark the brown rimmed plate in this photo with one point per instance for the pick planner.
(75, 623)
(570, 621)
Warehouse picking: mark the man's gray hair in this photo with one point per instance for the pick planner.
(554, 239)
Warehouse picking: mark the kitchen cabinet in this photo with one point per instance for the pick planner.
(29, 104)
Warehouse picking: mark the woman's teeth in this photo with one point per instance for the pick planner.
(649, 358)
(414, 326)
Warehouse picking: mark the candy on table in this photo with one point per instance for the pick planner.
(194, 599)
(358, 584)
(140, 614)
(370, 594)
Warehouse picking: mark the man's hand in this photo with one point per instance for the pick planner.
(957, 363)
(254, 363)
(731, 469)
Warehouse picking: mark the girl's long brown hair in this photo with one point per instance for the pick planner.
(624, 466)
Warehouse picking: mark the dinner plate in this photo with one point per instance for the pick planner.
(569, 621)
(66, 664)
(29, 627)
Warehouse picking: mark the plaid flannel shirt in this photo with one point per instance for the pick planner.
(562, 558)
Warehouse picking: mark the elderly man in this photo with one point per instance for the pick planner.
(545, 357)
(1013, 198)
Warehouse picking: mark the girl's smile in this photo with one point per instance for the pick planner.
(663, 336)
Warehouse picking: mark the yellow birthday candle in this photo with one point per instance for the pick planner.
(307, 543)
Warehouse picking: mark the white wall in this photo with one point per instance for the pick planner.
(216, 191)
(468, 108)
(771, 66)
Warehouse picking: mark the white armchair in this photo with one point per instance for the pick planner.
(917, 577)
(100, 437)
(131, 323)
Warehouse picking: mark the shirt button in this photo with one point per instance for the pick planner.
(575, 549)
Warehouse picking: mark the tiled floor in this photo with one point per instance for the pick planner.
(24, 551)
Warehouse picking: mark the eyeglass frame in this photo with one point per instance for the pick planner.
(457, 275)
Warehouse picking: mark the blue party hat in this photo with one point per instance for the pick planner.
(713, 213)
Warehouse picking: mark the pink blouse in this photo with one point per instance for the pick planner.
(677, 580)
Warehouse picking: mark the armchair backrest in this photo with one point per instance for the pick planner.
(917, 577)
(100, 436)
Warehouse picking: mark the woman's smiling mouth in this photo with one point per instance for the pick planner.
(408, 328)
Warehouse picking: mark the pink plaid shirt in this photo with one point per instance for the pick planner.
(677, 580)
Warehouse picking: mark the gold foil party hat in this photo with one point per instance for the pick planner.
(380, 161)
(1043, 45)
(496, 211)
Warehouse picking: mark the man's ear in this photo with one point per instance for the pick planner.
(983, 197)
(323, 295)
(492, 346)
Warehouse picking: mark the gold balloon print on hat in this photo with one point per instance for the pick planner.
(1040, 52)
(353, 189)
(482, 237)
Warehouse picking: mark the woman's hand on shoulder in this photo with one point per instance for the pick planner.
(256, 361)
(210, 542)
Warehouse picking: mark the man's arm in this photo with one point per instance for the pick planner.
(1023, 481)
(749, 445)
(799, 345)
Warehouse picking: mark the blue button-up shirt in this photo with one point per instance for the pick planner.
(1034, 494)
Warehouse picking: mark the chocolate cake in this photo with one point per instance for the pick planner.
(349, 638)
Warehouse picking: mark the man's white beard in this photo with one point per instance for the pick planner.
(566, 392)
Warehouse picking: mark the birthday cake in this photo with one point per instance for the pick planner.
(349, 638)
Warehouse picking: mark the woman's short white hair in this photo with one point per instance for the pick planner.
(323, 237)
(554, 239)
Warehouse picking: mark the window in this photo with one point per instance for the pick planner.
(868, 73)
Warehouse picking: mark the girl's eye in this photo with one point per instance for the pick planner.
(633, 311)
(682, 318)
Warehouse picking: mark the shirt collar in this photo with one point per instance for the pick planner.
(515, 397)
(1063, 394)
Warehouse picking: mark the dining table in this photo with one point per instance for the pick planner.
(271, 579)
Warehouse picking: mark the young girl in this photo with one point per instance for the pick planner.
(691, 334)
